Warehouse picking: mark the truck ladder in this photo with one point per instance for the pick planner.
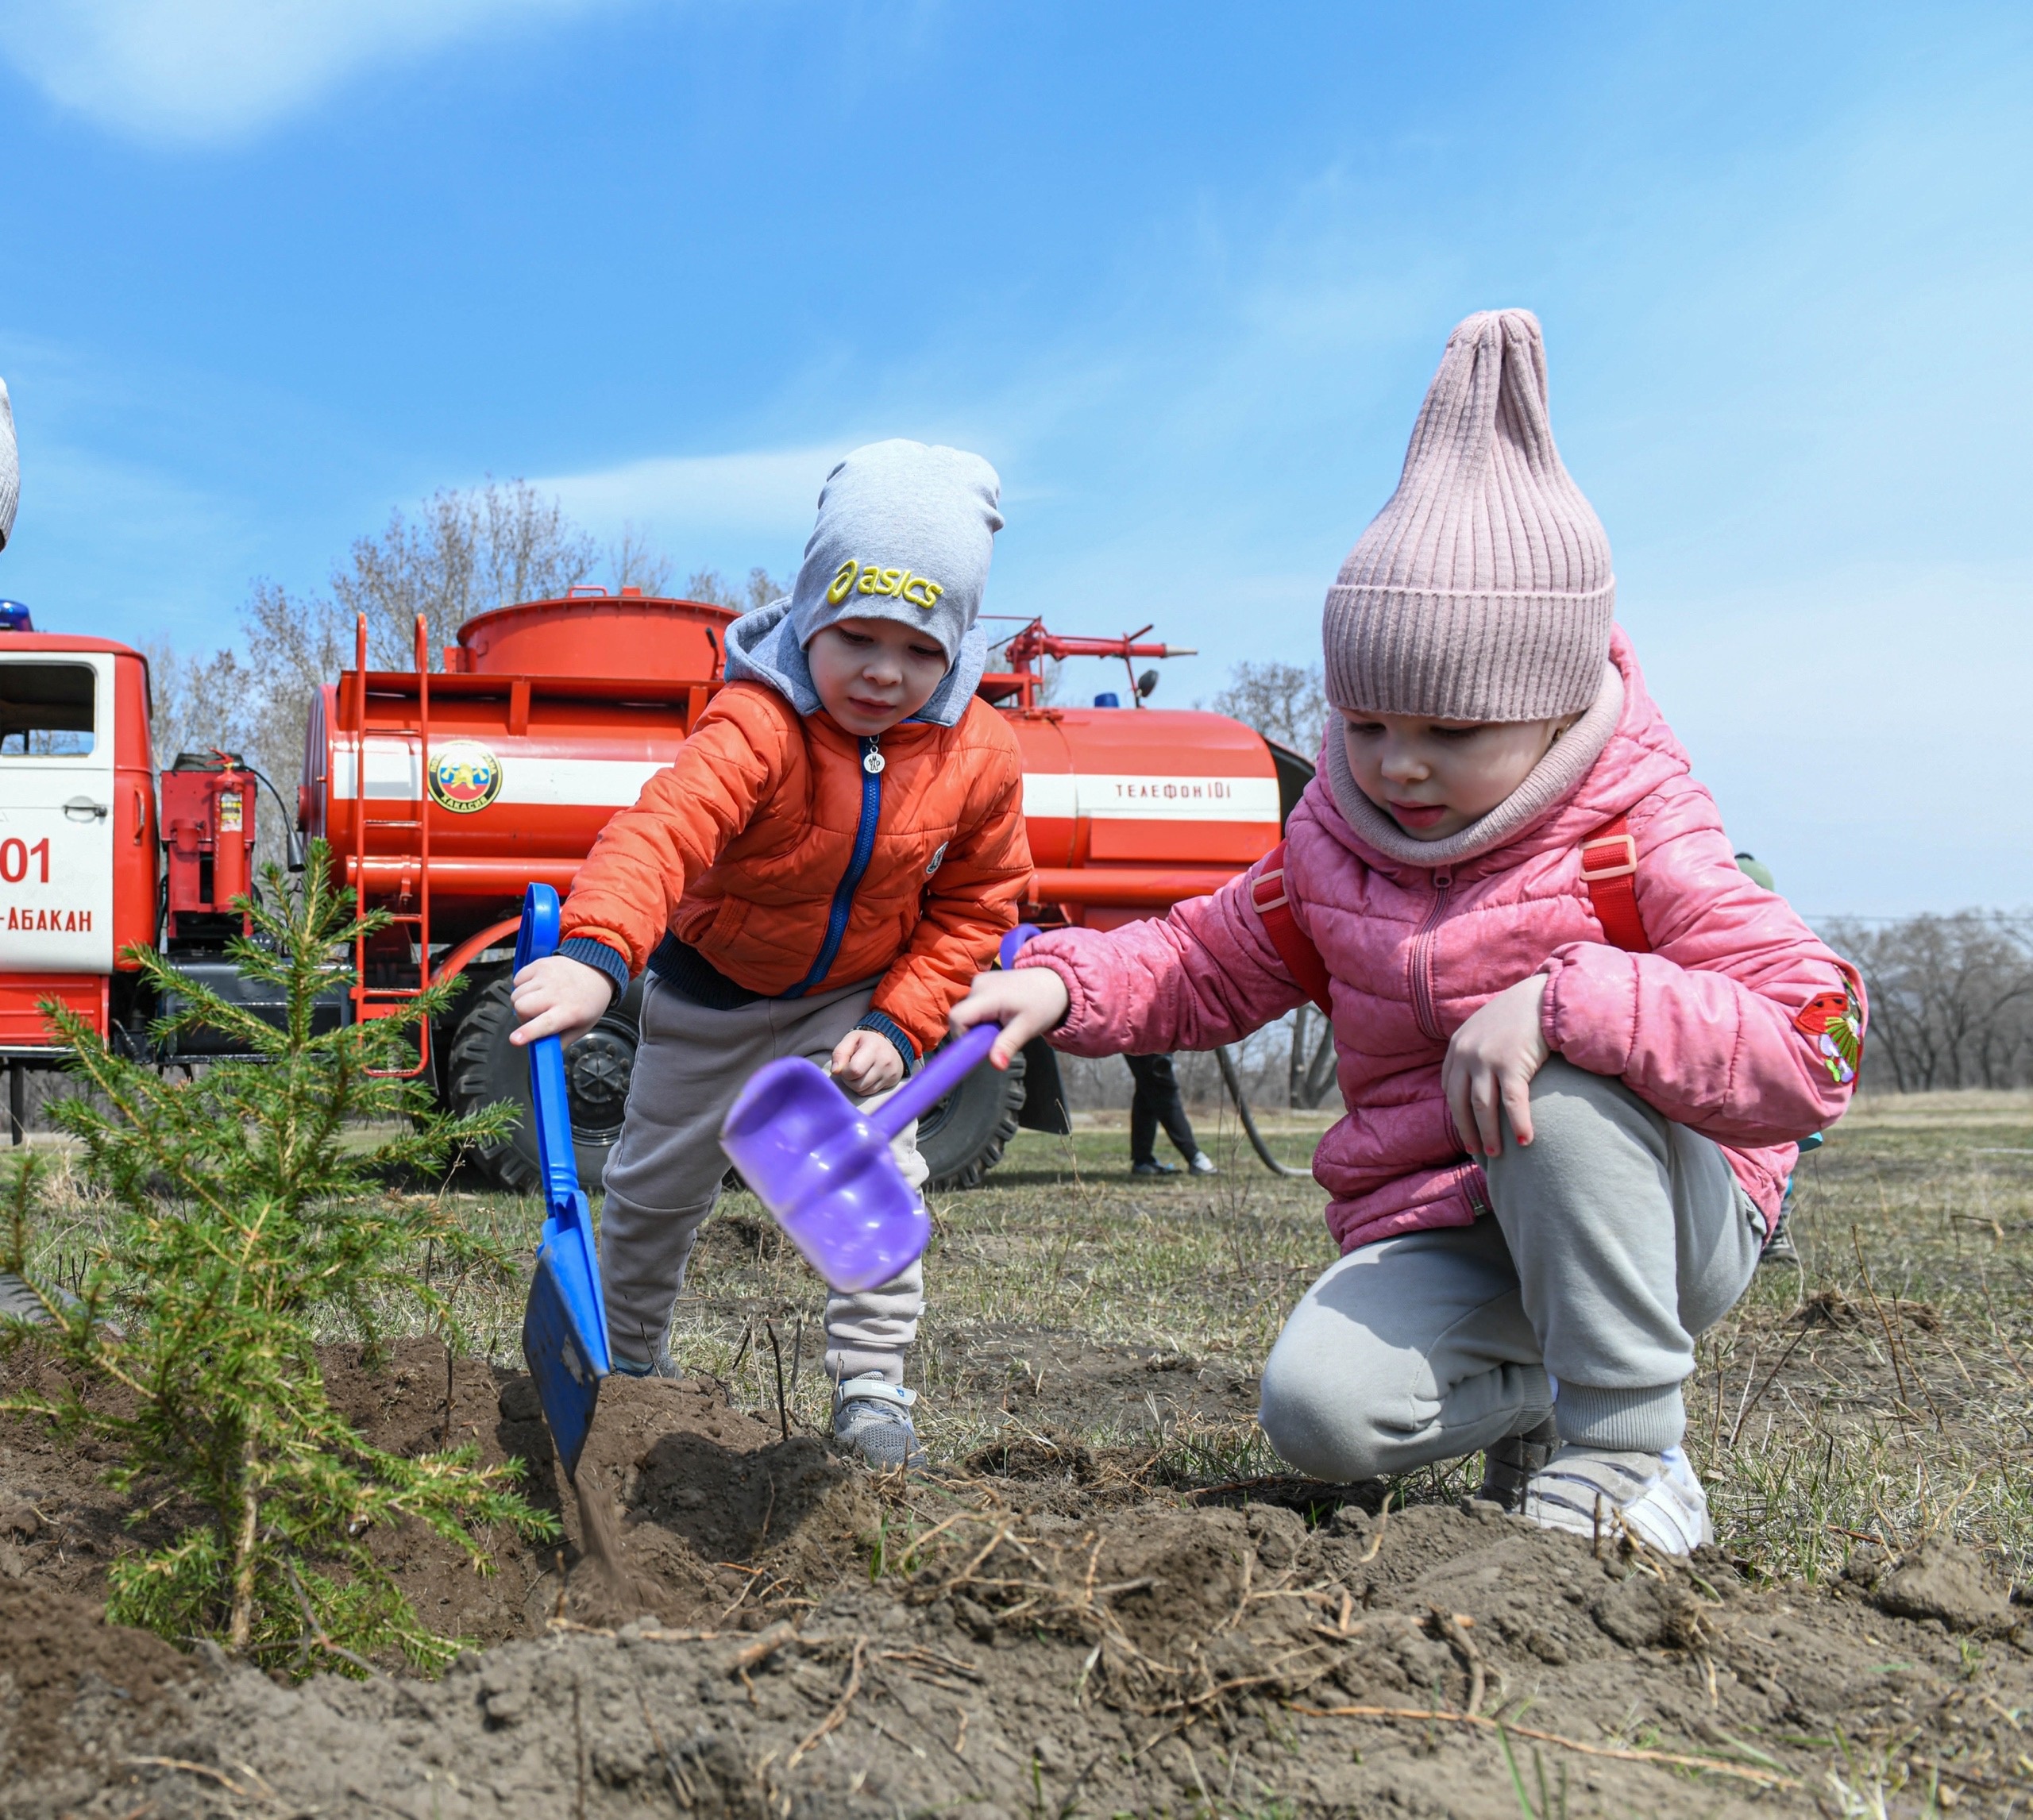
(371, 1001)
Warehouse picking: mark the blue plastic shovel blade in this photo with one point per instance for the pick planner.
(565, 1337)
(567, 1386)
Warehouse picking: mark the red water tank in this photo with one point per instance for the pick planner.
(592, 633)
(504, 767)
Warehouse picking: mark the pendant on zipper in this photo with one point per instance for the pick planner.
(872, 761)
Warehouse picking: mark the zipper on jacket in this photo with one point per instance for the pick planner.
(1422, 946)
(872, 762)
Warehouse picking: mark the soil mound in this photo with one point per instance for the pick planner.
(787, 1635)
(720, 1518)
(66, 1677)
(1176, 1659)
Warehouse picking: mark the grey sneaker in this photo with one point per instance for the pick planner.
(662, 1366)
(1780, 1248)
(1150, 1166)
(872, 1416)
(1202, 1164)
(1508, 1466)
(1656, 1495)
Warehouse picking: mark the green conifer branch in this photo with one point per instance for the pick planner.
(243, 1215)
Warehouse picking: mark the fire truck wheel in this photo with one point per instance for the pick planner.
(486, 1067)
(963, 1137)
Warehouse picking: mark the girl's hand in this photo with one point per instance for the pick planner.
(866, 1061)
(1026, 1002)
(559, 997)
(1490, 1064)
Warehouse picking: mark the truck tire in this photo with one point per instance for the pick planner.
(484, 1067)
(962, 1136)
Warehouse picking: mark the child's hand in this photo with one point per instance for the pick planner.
(1027, 1002)
(866, 1061)
(1491, 1063)
(558, 996)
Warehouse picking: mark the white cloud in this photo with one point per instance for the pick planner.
(202, 70)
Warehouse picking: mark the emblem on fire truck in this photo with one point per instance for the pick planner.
(465, 776)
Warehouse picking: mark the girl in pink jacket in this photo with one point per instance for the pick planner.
(1577, 1045)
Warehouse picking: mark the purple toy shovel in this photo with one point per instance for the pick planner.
(826, 1171)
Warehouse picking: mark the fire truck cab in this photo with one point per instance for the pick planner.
(79, 857)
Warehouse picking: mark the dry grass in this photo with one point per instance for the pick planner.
(1829, 1407)
(1898, 1354)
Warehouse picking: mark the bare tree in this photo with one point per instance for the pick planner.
(1288, 703)
(465, 552)
(217, 705)
(199, 705)
(1284, 702)
(1951, 999)
(631, 563)
(710, 586)
(461, 554)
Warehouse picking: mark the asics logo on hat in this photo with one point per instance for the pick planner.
(855, 577)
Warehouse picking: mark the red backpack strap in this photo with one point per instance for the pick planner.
(1609, 868)
(1302, 958)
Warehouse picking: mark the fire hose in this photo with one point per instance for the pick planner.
(1248, 1123)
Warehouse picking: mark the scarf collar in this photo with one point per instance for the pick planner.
(1553, 779)
(763, 646)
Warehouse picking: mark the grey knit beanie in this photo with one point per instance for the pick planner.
(10, 468)
(905, 532)
(1482, 590)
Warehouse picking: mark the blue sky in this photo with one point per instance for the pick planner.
(268, 270)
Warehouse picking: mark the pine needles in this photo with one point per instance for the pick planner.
(246, 1206)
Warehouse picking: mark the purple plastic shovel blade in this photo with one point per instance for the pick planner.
(826, 1171)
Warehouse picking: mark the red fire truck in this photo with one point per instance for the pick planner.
(444, 791)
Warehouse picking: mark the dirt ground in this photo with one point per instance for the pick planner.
(1043, 1630)
(1107, 1598)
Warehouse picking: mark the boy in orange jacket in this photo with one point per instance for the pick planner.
(832, 856)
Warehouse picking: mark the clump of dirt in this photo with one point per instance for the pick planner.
(60, 1661)
(1831, 1307)
(1022, 1454)
(1943, 1582)
(722, 1519)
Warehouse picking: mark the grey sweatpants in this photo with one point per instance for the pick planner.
(1617, 1237)
(664, 1174)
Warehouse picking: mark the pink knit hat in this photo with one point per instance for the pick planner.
(1482, 590)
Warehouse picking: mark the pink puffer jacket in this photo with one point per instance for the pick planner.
(1718, 1028)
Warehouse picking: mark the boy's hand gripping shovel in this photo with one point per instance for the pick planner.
(826, 1171)
(565, 1326)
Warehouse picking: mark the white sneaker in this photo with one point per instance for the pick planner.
(1656, 1495)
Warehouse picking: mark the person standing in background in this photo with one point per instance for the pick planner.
(1156, 1102)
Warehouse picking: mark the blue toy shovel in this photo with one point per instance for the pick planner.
(565, 1326)
(826, 1171)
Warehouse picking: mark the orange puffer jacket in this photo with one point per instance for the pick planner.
(746, 847)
